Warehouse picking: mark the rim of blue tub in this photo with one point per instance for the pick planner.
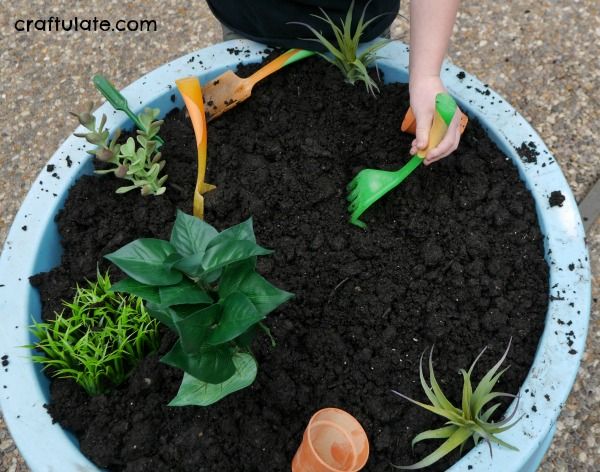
(24, 389)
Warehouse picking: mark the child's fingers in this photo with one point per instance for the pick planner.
(448, 144)
(443, 149)
(423, 127)
(430, 160)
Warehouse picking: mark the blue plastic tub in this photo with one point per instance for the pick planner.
(47, 447)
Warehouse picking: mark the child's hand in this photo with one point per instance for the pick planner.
(422, 101)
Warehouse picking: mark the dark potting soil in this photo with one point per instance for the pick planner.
(453, 256)
(556, 198)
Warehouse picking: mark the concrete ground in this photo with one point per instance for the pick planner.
(539, 55)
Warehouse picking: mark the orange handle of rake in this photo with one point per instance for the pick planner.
(409, 124)
(191, 92)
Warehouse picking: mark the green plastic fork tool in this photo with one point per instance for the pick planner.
(369, 185)
(118, 102)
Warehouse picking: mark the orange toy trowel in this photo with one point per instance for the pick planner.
(192, 96)
(227, 90)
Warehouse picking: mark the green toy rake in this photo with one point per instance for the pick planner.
(369, 185)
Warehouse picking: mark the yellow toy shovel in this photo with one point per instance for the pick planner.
(192, 96)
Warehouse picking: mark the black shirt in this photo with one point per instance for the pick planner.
(266, 21)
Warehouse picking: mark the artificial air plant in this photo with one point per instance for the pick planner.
(471, 420)
(345, 55)
(203, 285)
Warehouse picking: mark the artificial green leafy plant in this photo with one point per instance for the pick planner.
(203, 285)
(471, 420)
(97, 339)
(345, 55)
(138, 160)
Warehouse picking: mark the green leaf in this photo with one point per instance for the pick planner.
(489, 380)
(466, 396)
(172, 259)
(449, 415)
(264, 295)
(330, 47)
(443, 401)
(240, 232)
(239, 314)
(214, 364)
(132, 286)
(368, 56)
(440, 433)
(126, 189)
(489, 412)
(171, 315)
(426, 388)
(490, 437)
(234, 274)
(212, 276)
(185, 292)
(492, 372)
(267, 331)
(183, 311)
(336, 29)
(148, 116)
(191, 235)
(482, 401)
(347, 25)
(364, 76)
(144, 261)
(196, 392)
(153, 172)
(457, 438)
(191, 265)
(193, 328)
(164, 314)
(230, 251)
(142, 140)
(128, 149)
(245, 339)
(362, 25)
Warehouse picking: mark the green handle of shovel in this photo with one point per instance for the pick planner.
(301, 54)
(118, 102)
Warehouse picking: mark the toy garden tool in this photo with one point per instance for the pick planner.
(369, 185)
(409, 124)
(192, 96)
(227, 90)
(118, 102)
(333, 442)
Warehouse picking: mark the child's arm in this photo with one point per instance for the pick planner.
(431, 23)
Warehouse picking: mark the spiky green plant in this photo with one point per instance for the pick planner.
(345, 56)
(97, 339)
(138, 160)
(472, 420)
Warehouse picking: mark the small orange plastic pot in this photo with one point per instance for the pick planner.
(334, 441)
